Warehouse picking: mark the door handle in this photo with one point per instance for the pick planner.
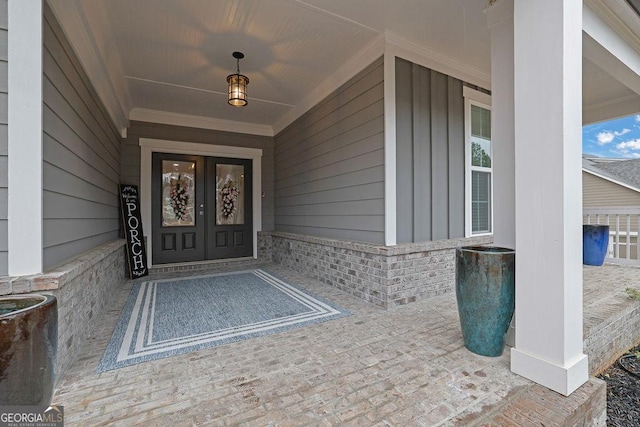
(201, 213)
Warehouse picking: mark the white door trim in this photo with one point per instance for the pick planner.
(150, 146)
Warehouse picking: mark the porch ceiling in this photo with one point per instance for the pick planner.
(149, 56)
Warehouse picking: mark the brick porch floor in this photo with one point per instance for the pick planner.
(406, 366)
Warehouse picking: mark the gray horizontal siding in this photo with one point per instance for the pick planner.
(4, 119)
(309, 195)
(81, 156)
(350, 207)
(349, 145)
(130, 154)
(4, 44)
(4, 15)
(599, 192)
(430, 154)
(355, 235)
(339, 188)
(363, 160)
(329, 164)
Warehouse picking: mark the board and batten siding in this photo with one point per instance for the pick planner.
(130, 160)
(81, 155)
(329, 164)
(430, 163)
(4, 154)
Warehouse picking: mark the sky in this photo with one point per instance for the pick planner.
(619, 138)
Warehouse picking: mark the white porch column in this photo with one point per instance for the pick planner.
(25, 137)
(500, 23)
(548, 107)
(390, 202)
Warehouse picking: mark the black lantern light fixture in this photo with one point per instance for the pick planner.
(237, 84)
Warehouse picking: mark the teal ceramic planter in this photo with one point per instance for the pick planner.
(485, 291)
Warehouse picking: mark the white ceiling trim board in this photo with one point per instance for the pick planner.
(357, 63)
(610, 51)
(175, 119)
(421, 55)
(599, 8)
(215, 92)
(624, 70)
(73, 24)
(610, 110)
(335, 15)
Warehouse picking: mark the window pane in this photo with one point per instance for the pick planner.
(480, 202)
(480, 152)
(178, 189)
(480, 122)
(480, 137)
(229, 194)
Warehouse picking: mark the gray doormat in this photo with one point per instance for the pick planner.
(166, 317)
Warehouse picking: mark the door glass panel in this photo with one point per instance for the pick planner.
(178, 190)
(229, 194)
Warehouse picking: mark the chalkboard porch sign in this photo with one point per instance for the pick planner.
(132, 222)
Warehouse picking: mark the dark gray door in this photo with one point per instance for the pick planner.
(201, 208)
(230, 231)
(177, 205)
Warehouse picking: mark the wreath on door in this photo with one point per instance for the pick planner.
(230, 195)
(179, 197)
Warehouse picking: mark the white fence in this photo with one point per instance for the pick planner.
(624, 245)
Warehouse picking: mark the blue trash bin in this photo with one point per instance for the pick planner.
(595, 241)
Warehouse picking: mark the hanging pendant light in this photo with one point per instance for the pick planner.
(237, 84)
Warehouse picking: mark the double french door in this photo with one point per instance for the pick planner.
(201, 208)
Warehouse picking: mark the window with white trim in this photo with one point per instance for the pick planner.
(478, 168)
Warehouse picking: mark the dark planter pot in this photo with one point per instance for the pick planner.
(485, 290)
(28, 348)
(595, 241)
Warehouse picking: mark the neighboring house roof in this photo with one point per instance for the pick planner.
(622, 172)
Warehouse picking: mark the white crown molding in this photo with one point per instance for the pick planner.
(176, 119)
(422, 55)
(373, 51)
(74, 25)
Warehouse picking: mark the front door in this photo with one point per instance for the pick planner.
(201, 208)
